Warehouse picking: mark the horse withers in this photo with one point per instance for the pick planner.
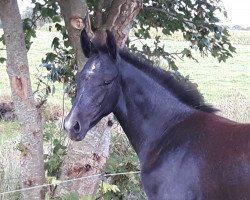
(186, 151)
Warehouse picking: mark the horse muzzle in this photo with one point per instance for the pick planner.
(75, 130)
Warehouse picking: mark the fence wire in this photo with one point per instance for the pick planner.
(102, 175)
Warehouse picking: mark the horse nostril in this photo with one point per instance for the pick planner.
(77, 127)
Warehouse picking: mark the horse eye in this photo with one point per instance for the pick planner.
(106, 82)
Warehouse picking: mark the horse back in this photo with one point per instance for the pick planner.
(224, 150)
(203, 157)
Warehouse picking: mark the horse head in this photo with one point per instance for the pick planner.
(97, 86)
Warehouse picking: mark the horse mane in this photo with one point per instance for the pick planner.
(186, 91)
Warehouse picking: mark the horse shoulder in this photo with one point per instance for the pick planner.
(171, 170)
(174, 176)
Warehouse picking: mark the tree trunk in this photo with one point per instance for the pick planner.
(119, 20)
(31, 145)
(74, 10)
(88, 157)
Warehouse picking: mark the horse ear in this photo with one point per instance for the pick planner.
(87, 45)
(111, 44)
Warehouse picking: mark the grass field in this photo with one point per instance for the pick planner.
(226, 85)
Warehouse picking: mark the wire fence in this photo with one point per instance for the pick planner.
(100, 175)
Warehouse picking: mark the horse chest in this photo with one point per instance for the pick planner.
(175, 178)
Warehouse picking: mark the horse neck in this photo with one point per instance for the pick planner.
(145, 108)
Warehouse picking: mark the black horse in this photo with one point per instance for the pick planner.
(186, 152)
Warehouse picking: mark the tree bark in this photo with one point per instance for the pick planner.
(31, 145)
(74, 10)
(86, 158)
(89, 156)
(119, 20)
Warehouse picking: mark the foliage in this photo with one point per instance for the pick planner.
(62, 67)
(56, 149)
(2, 60)
(122, 159)
(61, 62)
(74, 196)
(195, 19)
(22, 148)
(105, 188)
(70, 196)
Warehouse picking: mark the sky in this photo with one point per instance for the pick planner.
(238, 11)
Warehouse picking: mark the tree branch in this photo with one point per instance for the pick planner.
(120, 18)
(114, 12)
(98, 15)
(169, 14)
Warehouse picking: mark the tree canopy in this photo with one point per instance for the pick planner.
(196, 19)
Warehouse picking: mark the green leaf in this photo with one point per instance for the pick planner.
(2, 60)
(55, 43)
(31, 33)
(67, 43)
(22, 148)
(58, 27)
(205, 42)
(70, 196)
(48, 12)
(50, 57)
(106, 187)
(232, 48)
(56, 18)
(186, 52)
(172, 65)
(2, 39)
(27, 24)
(217, 35)
(166, 31)
(89, 197)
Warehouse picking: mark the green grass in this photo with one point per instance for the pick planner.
(9, 159)
(8, 131)
(217, 80)
(237, 36)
